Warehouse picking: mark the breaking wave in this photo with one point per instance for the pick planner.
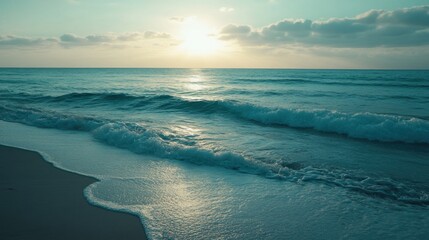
(370, 126)
(48, 119)
(361, 125)
(167, 144)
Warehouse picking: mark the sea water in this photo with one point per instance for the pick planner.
(236, 153)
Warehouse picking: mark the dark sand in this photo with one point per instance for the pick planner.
(39, 201)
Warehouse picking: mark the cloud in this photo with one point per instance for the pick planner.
(376, 28)
(70, 40)
(16, 41)
(153, 35)
(226, 9)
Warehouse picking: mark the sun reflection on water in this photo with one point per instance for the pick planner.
(195, 83)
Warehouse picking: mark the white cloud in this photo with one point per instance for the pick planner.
(152, 35)
(374, 39)
(70, 40)
(17, 41)
(376, 28)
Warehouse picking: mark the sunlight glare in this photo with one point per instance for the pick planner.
(197, 38)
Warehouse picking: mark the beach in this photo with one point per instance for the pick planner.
(39, 201)
(215, 153)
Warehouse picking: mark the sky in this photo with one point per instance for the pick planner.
(385, 34)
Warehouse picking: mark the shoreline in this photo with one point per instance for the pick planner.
(40, 201)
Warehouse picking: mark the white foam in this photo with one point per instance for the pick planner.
(370, 126)
(149, 141)
(182, 201)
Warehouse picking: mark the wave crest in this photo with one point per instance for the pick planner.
(140, 139)
(143, 140)
(361, 125)
(370, 126)
(48, 119)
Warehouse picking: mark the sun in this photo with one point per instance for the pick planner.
(198, 38)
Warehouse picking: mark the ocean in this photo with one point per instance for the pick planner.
(235, 153)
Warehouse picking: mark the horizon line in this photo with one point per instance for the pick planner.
(238, 68)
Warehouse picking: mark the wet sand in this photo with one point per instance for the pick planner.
(39, 201)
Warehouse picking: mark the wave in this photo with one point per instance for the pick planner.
(361, 125)
(373, 186)
(48, 119)
(164, 101)
(87, 98)
(90, 96)
(415, 83)
(370, 126)
(132, 136)
(143, 140)
(167, 144)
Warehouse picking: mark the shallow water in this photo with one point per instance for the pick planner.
(230, 153)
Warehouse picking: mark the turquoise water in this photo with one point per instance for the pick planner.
(252, 150)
